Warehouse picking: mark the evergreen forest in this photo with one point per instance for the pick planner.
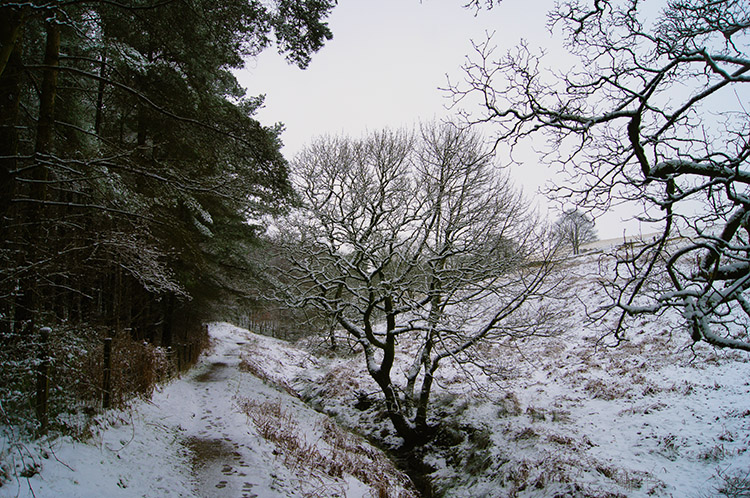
(131, 170)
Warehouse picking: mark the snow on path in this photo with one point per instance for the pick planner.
(225, 453)
(190, 440)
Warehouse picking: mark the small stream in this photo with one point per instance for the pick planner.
(407, 460)
(412, 464)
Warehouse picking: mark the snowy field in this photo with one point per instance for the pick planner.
(561, 416)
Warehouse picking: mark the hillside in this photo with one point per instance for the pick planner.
(561, 414)
(566, 413)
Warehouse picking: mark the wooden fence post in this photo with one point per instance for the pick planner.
(180, 352)
(42, 380)
(170, 359)
(107, 377)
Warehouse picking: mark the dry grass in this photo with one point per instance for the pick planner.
(608, 391)
(526, 433)
(509, 406)
(340, 380)
(322, 467)
(252, 367)
(642, 409)
(733, 485)
(75, 376)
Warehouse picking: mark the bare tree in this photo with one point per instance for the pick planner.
(413, 243)
(573, 228)
(651, 113)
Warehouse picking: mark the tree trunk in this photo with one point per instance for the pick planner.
(46, 122)
(26, 303)
(100, 94)
(411, 381)
(11, 24)
(168, 326)
(420, 420)
(10, 94)
(395, 411)
(428, 364)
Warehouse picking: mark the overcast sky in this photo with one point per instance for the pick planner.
(384, 68)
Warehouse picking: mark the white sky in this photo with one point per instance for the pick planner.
(384, 68)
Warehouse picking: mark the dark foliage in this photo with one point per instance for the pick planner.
(130, 164)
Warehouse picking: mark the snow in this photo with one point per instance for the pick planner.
(191, 439)
(574, 416)
(567, 415)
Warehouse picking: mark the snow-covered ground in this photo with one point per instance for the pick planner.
(217, 431)
(564, 416)
(571, 415)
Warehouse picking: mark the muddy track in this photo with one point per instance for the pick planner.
(217, 439)
(219, 463)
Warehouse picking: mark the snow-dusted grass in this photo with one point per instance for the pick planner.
(326, 452)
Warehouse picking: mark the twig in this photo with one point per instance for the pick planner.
(56, 458)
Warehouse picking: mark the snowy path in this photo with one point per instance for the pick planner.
(216, 433)
(227, 456)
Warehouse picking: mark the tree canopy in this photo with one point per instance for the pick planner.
(573, 228)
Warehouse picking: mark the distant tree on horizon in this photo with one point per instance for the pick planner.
(575, 228)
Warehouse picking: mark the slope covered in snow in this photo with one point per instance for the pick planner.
(568, 413)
